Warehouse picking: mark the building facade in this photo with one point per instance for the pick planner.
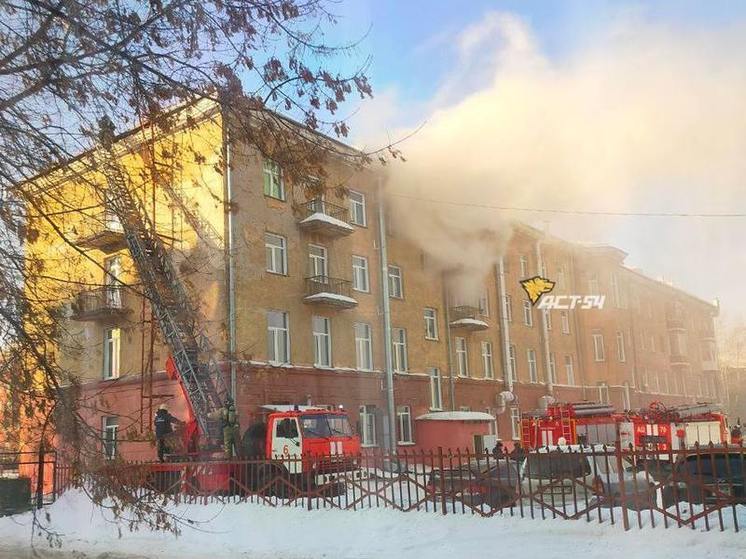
(290, 293)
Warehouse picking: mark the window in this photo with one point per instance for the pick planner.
(112, 347)
(508, 302)
(396, 288)
(598, 347)
(569, 370)
(621, 355)
(318, 263)
(528, 314)
(109, 427)
(552, 369)
(513, 364)
(533, 372)
(367, 425)
(112, 281)
(493, 423)
(273, 185)
(561, 276)
(616, 292)
(360, 278)
(363, 347)
(399, 341)
(277, 258)
(484, 304)
(548, 318)
(565, 321)
(487, 361)
(462, 357)
(278, 341)
(524, 266)
(322, 341)
(431, 324)
(404, 424)
(678, 343)
(357, 208)
(436, 396)
(515, 423)
(603, 392)
(652, 344)
(593, 287)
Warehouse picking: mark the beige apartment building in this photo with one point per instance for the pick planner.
(289, 291)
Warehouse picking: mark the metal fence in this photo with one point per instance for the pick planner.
(701, 488)
(32, 479)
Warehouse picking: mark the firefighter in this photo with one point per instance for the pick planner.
(499, 451)
(231, 431)
(518, 453)
(736, 435)
(163, 424)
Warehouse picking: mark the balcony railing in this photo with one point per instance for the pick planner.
(103, 303)
(107, 233)
(467, 318)
(327, 291)
(675, 322)
(324, 218)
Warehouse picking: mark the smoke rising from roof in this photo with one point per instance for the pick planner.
(640, 117)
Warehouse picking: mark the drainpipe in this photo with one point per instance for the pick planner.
(544, 329)
(231, 267)
(505, 330)
(449, 348)
(386, 304)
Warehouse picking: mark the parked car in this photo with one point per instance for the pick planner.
(485, 482)
(709, 476)
(583, 475)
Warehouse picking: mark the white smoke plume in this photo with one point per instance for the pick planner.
(641, 117)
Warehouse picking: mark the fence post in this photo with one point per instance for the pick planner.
(622, 491)
(442, 480)
(40, 479)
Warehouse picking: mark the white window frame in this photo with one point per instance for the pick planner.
(368, 426)
(533, 369)
(399, 350)
(515, 423)
(109, 430)
(112, 281)
(275, 247)
(314, 260)
(274, 336)
(488, 363)
(513, 363)
(599, 352)
(396, 282)
(322, 341)
(360, 275)
(484, 304)
(430, 316)
(569, 370)
(271, 171)
(462, 356)
(112, 353)
(358, 208)
(524, 266)
(552, 369)
(404, 425)
(436, 389)
(565, 322)
(593, 285)
(508, 302)
(548, 318)
(620, 347)
(363, 346)
(603, 392)
(528, 314)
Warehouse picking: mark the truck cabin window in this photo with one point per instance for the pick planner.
(326, 426)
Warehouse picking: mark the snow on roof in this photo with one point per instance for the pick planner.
(329, 295)
(456, 416)
(469, 322)
(319, 216)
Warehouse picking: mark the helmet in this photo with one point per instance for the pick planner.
(228, 401)
(163, 407)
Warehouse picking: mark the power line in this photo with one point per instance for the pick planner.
(572, 212)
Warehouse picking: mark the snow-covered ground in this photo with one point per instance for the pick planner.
(255, 531)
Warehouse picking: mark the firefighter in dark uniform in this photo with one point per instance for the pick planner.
(163, 424)
(231, 431)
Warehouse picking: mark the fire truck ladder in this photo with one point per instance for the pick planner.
(566, 424)
(176, 317)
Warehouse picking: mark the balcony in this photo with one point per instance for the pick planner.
(103, 303)
(107, 234)
(325, 219)
(676, 359)
(329, 292)
(675, 322)
(467, 318)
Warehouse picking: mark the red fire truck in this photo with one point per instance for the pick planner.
(655, 428)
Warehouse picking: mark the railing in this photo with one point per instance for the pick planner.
(465, 311)
(700, 488)
(98, 301)
(326, 284)
(30, 479)
(317, 205)
(675, 321)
